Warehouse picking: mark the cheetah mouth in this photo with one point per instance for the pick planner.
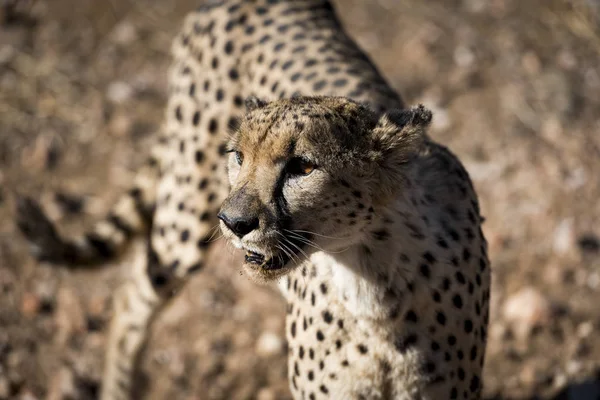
(294, 247)
(271, 264)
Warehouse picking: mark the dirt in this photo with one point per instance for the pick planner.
(514, 86)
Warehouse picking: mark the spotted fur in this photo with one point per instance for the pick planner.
(399, 307)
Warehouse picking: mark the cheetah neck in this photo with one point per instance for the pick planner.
(374, 279)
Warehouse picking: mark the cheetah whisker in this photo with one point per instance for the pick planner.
(294, 256)
(287, 252)
(215, 230)
(314, 233)
(297, 258)
(306, 241)
(313, 244)
(299, 249)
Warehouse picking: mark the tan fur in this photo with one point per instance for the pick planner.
(383, 262)
(379, 260)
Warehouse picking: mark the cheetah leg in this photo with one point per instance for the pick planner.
(135, 304)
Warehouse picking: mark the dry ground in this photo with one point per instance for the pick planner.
(515, 89)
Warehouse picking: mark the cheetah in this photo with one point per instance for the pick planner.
(280, 130)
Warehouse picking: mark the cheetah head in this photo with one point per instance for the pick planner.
(307, 174)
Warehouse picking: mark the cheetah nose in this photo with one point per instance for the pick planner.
(241, 226)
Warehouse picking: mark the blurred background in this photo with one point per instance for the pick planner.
(515, 88)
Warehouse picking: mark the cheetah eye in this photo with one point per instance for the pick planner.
(239, 157)
(300, 166)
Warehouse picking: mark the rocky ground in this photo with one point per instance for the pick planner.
(514, 86)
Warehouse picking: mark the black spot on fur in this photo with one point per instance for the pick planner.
(213, 126)
(199, 156)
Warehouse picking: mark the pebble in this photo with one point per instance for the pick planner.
(566, 60)
(4, 388)
(124, 33)
(120, 124)
(30, 304)
(526, 310)
(574, 367)
(265, 394)
(463, 56)
(269, 344)
(585, 329)
(7, 53)
(27, 395)
(560, 380)
(532, 376)
(531, 63)
(593, 280)
(564, 237)
(62, 385)
(119, 92)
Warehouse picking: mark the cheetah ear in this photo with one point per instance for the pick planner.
(253, 103)
(399, 134)
(397, 138)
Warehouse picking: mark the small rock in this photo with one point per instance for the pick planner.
(177, 363)
(593, 280)
(124, 33)
(265, 394)
(120, 124)
(62, 385)
(463, 56)
(27, 395)
(531, 63)
(498, 331)
(554, 274)
(566, 60)
(7, 280)
(4, 388)
(585, 329)
(7, 53)
(14, 364)
(526, 310)
(475, 6)
(576, 179)
(564, 236)
(529, 375)
(560, 380)
(574, 367)
(30, 304)
(269, 344)
(119, 92)
(241, 312)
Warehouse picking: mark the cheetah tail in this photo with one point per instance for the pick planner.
(131, 215)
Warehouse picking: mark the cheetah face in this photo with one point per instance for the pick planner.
(306, 175)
